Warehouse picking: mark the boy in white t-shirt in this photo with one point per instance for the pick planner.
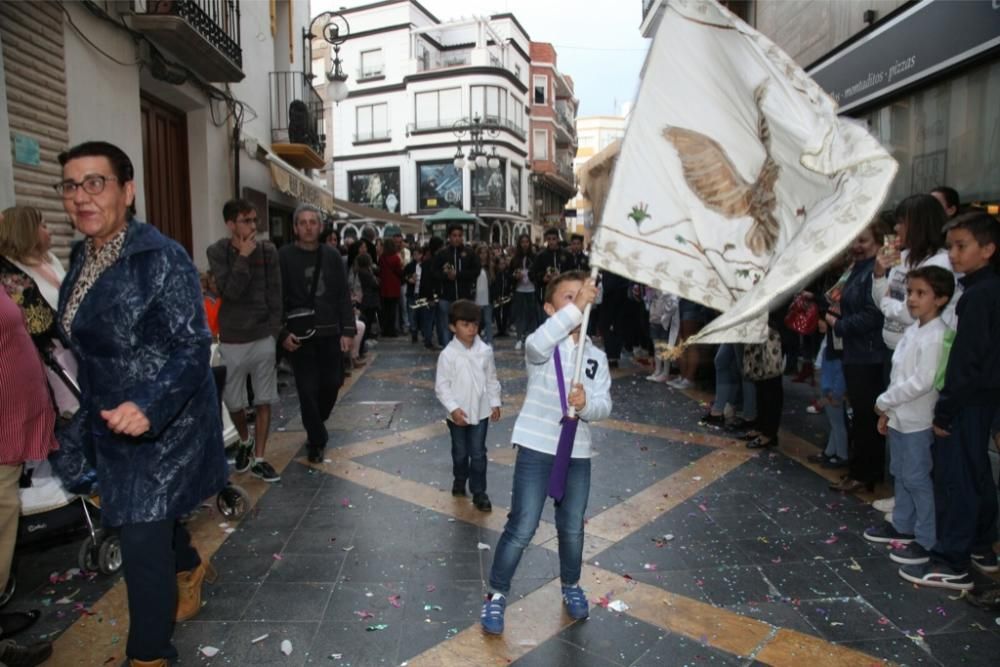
(906, 410)
(466, 385)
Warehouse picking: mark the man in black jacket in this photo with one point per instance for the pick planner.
(549, 263)
(317, 361)
(456, 267)
(580, 260)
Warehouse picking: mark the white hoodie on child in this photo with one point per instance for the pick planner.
(909, 400)
(466, 378)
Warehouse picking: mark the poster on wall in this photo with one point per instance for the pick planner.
(376, 188)
(515, 188)
(440, 185)
(489, 189)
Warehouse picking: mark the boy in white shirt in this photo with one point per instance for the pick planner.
(906, 410)
(550, 353)
(466, 385)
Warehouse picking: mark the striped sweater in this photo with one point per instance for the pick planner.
(538, 424)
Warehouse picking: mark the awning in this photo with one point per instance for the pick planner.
(295, 184)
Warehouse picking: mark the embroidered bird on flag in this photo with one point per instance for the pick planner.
(712, 176)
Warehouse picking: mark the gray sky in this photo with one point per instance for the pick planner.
(598, 42)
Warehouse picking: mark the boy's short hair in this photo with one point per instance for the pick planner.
(232, 209)
(463, 310)
(551, 231)
(941, 280)
(983, 227)
(565, 276)
(576, 237)
(452, 226)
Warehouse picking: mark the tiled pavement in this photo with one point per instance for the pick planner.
(721, 555)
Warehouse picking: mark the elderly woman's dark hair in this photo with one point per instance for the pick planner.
(924, 219)
(120, 162)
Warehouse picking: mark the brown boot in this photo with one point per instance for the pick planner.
(189, 591)
(162, 662)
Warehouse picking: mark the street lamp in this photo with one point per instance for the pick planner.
(480, 133)
(336, 30)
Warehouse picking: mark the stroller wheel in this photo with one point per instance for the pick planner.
(233, 502)
(109, 555)
(87, 556)
(8, 591)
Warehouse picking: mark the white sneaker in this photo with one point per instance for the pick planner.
(885, 504)
(518, 345)
(682, 383)
(654, 378)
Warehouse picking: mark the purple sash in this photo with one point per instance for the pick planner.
(564, 450)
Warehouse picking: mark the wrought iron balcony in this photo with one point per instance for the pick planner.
(203, 34)
(297, 134)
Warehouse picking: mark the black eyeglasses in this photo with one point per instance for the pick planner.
(92, 184)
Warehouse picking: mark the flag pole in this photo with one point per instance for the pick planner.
(578, 368)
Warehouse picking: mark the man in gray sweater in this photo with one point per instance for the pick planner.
(249, 279)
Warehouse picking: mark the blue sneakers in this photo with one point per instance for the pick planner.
(576, 602)
(492, 616)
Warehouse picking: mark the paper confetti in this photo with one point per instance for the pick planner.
(377, 627)
(286, 647)
(483, 546)
(257, 640)
(209, 651)
(618, 605)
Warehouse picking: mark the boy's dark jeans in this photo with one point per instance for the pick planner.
(468, 454)
(964, 493)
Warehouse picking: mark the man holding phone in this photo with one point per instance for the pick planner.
(248, 276)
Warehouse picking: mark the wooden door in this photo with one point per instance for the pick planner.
(165, 165)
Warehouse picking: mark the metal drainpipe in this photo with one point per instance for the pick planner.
(236, 161)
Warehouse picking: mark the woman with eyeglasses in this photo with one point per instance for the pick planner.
(131, 308)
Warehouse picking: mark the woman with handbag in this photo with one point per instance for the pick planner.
(858, 321)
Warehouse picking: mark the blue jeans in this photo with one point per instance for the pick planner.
(727, 377)
(444, 333)
(910, 454)
(531, 481)
(468, 454)
(486, 323)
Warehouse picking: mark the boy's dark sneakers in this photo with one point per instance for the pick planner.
(910, 554)
(885, 534)
(458, 488)
(244, 455)
(575, 601)
(264, 471)
(482, 502)
(15, 655)
(936, 575)
(986, 563)
(491, 617)
(314, 454)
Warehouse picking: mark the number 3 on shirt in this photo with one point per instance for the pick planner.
(591, 368)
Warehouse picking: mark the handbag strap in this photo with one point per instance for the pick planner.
(316, 272)
(560, 380)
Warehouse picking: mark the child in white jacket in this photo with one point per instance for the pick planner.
(466, 385)
(906, 410)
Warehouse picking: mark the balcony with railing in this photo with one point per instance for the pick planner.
(296, 120)
(203, 34)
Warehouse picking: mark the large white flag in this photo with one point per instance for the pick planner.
(736, 182)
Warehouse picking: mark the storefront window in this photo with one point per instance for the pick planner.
(489, 188)
(440, 185)
(947, 134)
(377, 189)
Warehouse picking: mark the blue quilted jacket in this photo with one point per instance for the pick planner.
(140, 335)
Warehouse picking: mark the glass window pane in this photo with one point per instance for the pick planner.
(427, 110)
(540, 145)
(540, 84)
(476, 102)
(364, 123)
(451, 106)
(492, 102)
(380, 120)
(371, 63)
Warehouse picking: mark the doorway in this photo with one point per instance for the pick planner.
(165, 168)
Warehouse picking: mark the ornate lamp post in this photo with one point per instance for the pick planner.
(335, 32)
(480, 133)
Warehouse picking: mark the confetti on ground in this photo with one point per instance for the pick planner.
(618, 605)
(286, 647)
(348, 548)
(364, 615)
(483, 546)
(257, 640)
(277, 557)
(376, 627)
(430, 588)
(209, 651)
(395, 601)
(433, 607)
(649, 566)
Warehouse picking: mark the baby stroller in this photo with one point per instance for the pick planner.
(50, 514)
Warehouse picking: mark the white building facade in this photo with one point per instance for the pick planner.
(187, 91)
(415, 80)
